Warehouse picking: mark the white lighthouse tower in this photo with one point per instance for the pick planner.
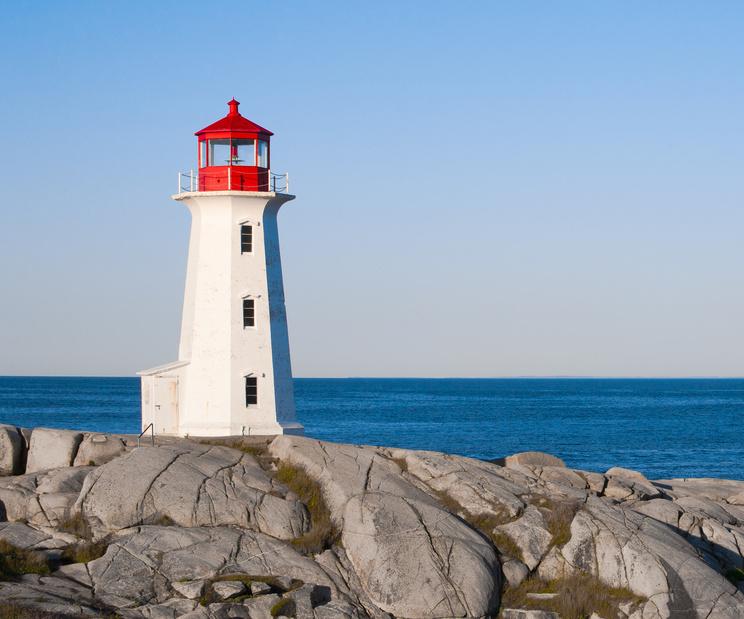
(233, 376)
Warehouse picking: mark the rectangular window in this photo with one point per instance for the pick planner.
(203, 154)
(251, 390)
(249, 316)
(246, 239)
(263, 154)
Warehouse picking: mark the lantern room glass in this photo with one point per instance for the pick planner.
(219, 152)
(263, 154)
(244, 152)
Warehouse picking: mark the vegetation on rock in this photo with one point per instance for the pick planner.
(322, 534)
(576, 597)
(15, 562)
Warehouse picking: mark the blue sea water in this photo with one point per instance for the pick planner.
(664, 428)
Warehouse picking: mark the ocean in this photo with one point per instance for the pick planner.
(662, 427)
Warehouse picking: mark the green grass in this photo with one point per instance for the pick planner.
(578, 596)
(15, 562)
(283, 608)
(322, 534)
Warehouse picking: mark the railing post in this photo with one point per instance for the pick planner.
(286, 178)
(191, 179)
(179, 183)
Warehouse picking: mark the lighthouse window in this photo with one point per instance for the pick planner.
(249, 316)
(202, 154)
(263, 154)
(244, 152)
(219, 152)
(251, 390)
(246, 239)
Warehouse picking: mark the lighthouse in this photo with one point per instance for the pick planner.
(233, 375)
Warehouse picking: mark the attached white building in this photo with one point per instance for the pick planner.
(234, 375)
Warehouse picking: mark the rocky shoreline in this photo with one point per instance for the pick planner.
(92, 525)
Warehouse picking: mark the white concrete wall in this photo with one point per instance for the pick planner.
(220, 351)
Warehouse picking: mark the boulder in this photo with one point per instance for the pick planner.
(533, 458)
(624, 548)
(514, 572)
(228, 588)
(12, 450)
(97, 449)
(520, 613)
(195, 485)
(51, 449)
(416, 560)
(477, 487)
(139, 565)
(530, 534)
(191, 589)
(42, 499)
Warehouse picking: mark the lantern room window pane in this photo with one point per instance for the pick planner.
(203, 153)
(244, 152)
(219, 152)
(263, 154)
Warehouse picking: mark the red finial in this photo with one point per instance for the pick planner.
(233, 107)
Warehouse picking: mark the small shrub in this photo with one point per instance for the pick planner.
(578, 596)
(402, 464)
(15, 562)
(84, 552)
(77, 525)
(283, 608)
(322, 534)
(160, 520)
(558, 519)
(505, 545)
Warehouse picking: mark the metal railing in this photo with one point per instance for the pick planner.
(238, 180)
(150, 427)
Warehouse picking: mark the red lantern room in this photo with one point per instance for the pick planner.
(234, 154)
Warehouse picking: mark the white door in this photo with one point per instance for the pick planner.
(165, 405)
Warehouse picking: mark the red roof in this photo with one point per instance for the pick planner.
(234, 122)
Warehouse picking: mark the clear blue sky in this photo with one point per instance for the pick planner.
(484, 188)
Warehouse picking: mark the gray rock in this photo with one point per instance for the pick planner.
(260, 607)
(139, 565)
(416, 560)
(44, 498)
(514, 572)
(50, 594)
(626, 484)
(344, 471)
(530, 534)
(191, 589)
(228, 588)
(97, 449)
(260, 588)
(52, 449)
(12, 450)
(191, 485)
(626, 549)
(520, 613)
(478, 487)
(533, 458)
